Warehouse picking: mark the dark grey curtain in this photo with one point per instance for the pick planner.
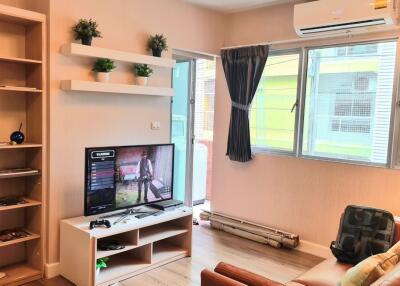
(243, 68)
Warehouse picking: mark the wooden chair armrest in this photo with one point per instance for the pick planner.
(244, 276)
(209, 278)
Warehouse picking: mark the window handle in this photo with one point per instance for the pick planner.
(293, 107)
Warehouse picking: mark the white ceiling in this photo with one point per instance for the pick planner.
(230, 6)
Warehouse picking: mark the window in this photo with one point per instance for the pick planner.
(346, 103)
(272, 117)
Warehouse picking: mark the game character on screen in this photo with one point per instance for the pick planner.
(145, 174)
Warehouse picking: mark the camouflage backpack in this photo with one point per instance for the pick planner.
(363, 232)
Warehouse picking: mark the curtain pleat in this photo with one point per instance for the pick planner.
(243, 69)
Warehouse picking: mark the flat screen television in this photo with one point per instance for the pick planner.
(127, 176)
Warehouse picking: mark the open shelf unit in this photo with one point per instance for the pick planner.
(23, 100)
(92, 86)
(149, 243)
(72, 49)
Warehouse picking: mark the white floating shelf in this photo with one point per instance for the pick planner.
(95, 52)
(93, 86)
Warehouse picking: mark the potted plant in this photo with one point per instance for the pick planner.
(100, 264)
(142, 74)
(157, 44)
(86, 30)
(103, 67)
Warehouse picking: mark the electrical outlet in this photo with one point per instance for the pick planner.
(155, 125)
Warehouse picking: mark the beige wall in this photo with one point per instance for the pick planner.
(297, 195)
(83, 120)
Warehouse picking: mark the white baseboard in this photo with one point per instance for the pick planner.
(52, 270)
(314, 249)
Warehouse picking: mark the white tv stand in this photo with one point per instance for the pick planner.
(149, 243)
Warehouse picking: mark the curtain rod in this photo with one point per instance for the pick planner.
(267, 43)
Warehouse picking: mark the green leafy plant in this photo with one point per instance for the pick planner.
(143, 70)
(101, 263)
(103, 65)
(157, 42)
(86, 29)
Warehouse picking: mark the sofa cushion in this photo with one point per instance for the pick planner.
(390, 279)
(327, 273)
(371, 269)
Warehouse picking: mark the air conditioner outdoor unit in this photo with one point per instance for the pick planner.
(335, 17)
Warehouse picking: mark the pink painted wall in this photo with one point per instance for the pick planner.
(297, 195)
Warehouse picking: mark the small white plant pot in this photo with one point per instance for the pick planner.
(103, 76)
(98, 272)
(141, 80)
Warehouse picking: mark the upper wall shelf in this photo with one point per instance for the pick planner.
(92, 86)
(95, 52)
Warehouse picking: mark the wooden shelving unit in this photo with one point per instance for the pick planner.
(92, 86)
(72, 49)
(23, 99)
(149, 243)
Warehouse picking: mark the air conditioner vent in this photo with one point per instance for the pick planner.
(344, 26)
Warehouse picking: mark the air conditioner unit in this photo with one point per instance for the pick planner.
(335, 17)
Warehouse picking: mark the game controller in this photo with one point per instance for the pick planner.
(97, 223)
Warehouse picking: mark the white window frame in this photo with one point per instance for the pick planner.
(393, 156)
(275, 151)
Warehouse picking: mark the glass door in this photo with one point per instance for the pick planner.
(182, 83)
(192, 125)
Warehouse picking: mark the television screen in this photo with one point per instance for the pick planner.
(128, 176)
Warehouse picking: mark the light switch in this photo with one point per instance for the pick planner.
(155, 125)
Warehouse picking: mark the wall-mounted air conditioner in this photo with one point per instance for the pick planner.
(331, 17)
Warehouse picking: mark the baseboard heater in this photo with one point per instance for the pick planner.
(252, 231)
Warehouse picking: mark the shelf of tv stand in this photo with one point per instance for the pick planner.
(156, 233)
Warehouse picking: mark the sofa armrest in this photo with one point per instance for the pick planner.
(243, 276)
(209, 278)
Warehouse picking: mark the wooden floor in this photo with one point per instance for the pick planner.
(211, 246)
